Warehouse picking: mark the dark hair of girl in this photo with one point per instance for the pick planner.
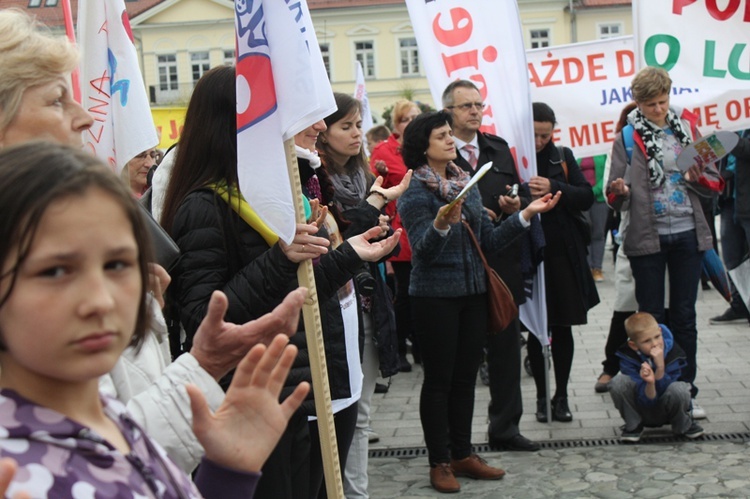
(35, 175)
(416, 139)
(208, 145)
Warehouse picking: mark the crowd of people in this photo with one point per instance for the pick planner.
(195, 380)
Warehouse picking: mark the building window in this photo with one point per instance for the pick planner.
(50, 3)
(539, 38)
(364, 52)
(325, 51)
(229, 57)
(199, 64)
(167, 67)
(610, 30)
(34, 3)
(409, 56)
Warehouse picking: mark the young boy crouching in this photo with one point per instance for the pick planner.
(646, 392)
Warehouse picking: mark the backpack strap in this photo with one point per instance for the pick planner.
(627, 140)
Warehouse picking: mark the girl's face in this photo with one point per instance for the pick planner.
(307, 138)
(442, 147)
(405, 120)
(345, 137)
(48, 112)
(73, 308)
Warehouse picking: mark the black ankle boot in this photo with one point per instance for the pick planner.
(561, 411)
(541, 410)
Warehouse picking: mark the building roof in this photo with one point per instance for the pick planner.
(333, 4)
(50, 12)
(590, 4)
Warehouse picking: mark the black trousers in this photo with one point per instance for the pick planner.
(451, 334)
(345, 422)
(504, 366)
(402, 305)
(562, 361)
(286, 473)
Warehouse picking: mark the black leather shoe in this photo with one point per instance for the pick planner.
(381, 388)
(514, 443)
(561, 411)
(541, 410)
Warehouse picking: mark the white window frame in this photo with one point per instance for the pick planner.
(199, 66)
(602, 27)
(369, 75)
(229, 57)
(170, 68)
(409, 55)
(325, 53)
(544, 40)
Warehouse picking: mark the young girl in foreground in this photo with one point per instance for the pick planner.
(73, 254)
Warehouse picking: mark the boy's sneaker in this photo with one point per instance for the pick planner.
(697, 411)
(632, 436)
(694, 431)
(728, 317)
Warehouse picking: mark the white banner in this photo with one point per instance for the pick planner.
(282, 88)
(482, 41)
(360, 93)
(705, 46)
(112, 86)
(587, 84)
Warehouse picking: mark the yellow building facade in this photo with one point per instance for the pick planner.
(178, 40)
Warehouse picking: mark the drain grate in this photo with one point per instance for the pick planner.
(412, 452)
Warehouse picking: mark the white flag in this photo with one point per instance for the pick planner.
(282, 88)
(360, 93)
(112, 86)
(482, 41)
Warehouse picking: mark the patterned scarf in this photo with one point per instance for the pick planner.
(445, 188)
(653, 136)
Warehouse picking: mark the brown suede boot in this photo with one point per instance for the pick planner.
(443, 480)
(477, 468)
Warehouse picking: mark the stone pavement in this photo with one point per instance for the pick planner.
(713, 466)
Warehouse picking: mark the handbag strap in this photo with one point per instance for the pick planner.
(476, 244)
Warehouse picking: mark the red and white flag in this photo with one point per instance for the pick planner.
(482, 41)
(282, 88)
(112, 88)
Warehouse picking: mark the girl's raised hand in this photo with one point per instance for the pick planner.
(245, 429)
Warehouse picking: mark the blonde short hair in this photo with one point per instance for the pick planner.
(400, 109)
(650, 82)
(638, 323)
(31, 56)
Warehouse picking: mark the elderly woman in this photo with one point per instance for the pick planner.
(36, 103)
(448, 292)
(668, 229)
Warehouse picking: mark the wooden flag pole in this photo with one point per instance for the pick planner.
(315, 346)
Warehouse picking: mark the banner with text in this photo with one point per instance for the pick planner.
(587, 84)
(705, 46)
(112, 85)
(482, 41)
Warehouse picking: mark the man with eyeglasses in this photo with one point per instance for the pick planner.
(462, 99)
